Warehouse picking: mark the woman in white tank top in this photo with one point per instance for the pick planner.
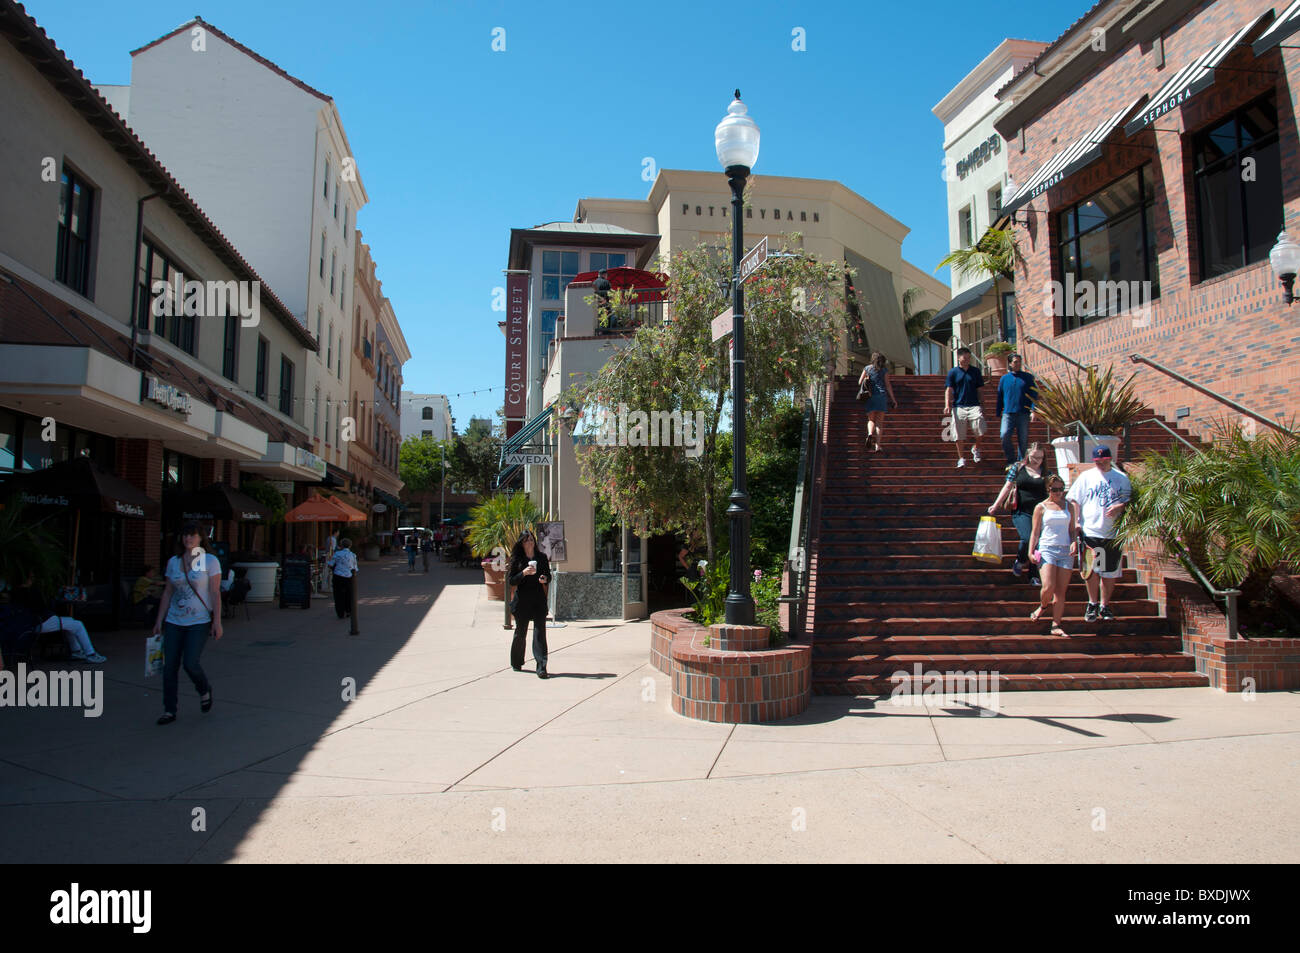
(1053, 545)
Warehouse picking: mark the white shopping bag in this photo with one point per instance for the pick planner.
(153, 655)
(988, 541)
(948, 433)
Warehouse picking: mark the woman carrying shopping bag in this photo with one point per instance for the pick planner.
(1024, 490)
(1053, 544)
(190, 609)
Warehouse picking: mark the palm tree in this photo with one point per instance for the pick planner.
(916, 323)
(994, 256)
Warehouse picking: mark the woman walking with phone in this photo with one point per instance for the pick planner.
(1053, 544)
(189, 610)
(530, 571)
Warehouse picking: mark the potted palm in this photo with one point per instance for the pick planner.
(493, 529)
(1093, 399)
(995, 357)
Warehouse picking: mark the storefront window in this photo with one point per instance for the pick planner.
(8, 441)
(1106, 253)
(1238, 172)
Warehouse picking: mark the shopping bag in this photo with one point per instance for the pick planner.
(948, 423)
(153, 655)
(988, 541)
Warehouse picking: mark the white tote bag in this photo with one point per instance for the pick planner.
(153, 655)
(988, 541)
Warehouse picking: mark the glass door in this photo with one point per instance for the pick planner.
(634, 581)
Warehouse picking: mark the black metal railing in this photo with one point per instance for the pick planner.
(1200, 389)
(1128, 435)
(814, 418)
(633, 315)
(1030, 339)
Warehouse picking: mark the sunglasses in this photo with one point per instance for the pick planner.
(1056, 489)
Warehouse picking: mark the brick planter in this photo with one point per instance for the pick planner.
(736, 679)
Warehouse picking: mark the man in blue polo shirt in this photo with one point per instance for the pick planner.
(961, 398)
(1016, 395)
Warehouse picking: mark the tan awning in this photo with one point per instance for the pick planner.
(881, 310)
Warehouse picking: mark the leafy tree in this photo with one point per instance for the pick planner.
(471, 461)
(795, 316)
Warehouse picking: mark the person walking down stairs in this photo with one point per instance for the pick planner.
(1053, 545)
(1023, 490)
(961, 398)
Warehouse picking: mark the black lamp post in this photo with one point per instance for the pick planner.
(736, 139)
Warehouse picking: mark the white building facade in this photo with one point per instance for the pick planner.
(426, 415)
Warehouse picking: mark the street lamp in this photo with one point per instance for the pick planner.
(1285, 259)
(442, 485)
(736, 139)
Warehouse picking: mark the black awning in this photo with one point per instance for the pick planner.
(1192, 78)
(1068, 161)
(80, 484)
(963, 302)
(1287, 23)
(216, 501)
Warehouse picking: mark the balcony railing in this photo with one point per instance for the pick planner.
(647, 307)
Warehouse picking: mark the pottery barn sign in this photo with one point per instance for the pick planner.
(166, 395)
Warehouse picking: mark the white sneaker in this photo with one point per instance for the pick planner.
(96, 658)
(975, 454)
(961, 462)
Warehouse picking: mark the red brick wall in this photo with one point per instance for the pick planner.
(1233, 333)
(139, 462)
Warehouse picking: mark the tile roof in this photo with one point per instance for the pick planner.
(32, 42)
(1051, 47)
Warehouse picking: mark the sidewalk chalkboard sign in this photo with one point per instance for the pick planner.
(295, 582)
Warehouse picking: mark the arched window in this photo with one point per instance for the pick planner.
(426, 414)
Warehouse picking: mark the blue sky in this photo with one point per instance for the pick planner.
(457, 143)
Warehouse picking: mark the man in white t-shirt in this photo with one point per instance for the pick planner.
(1097, 499)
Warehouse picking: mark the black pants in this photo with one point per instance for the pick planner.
(539, 639)
(342, 595)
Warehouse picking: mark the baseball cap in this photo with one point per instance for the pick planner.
(1099, 452)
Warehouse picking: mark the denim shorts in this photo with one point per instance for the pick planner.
(1057, 556)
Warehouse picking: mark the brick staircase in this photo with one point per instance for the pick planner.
(894, 584)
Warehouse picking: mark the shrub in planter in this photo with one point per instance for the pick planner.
(1095, 399)
(995, 357)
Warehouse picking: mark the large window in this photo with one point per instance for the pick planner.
(263, 356)
(76, 212)
(1109, 237)
(600, 259)
(156, 265)
(180, 471)
(286, 386)
(1238, 173)
(426, 413)
(547, 335)
(230, 348)
(23, 447)
(965, 228)
(558, 269)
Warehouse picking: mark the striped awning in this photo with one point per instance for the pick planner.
(1068, 161)
(524, 434)
(1287, 23)
(1192, 78)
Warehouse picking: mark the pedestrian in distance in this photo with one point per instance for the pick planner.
(874, 382)
(190, 610)
(412, 547)
(1053, 544)
(344, 567)
(1016, 396)
(961, 398)
(1098, 497)
(530, 571)
(426, 547)
(1024, 489)
(438, 535)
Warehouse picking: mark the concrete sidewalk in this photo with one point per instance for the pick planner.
(447, 754)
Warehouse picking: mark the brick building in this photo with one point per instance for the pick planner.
(1155, 144)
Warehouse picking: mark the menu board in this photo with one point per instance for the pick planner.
(295, 582)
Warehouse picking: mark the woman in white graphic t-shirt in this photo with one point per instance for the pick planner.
(190, 608)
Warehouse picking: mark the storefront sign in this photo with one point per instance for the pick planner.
(44, 500)
(527, 460)
(309, 461)
(516, 343)
(165, 395)
(283, 486)
(128, 509)
(979, 155)
(379, 508)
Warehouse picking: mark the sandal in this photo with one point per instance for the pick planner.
(1034, 616)
(167, 718)
(1058, 632)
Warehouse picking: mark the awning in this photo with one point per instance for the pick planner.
(880, 309)
(525, 433)
(79, 484)
(217, 501)
(960, 304)
(1192, 78)
(1287, 23)
(386, 498)
(1068, 161)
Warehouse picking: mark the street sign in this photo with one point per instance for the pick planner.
(722, 324)
(751, 262)
(527, 460)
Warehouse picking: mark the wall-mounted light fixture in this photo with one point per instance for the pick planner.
(1285, 259)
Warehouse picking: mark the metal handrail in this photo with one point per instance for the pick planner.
(1079, 430)
(1061, 354)
(801, 515)
(1128, 445)
(1140, 359)
(1229, 596)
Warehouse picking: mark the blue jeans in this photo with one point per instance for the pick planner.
(1024, 523)
(1020, 423)
(183, 644)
